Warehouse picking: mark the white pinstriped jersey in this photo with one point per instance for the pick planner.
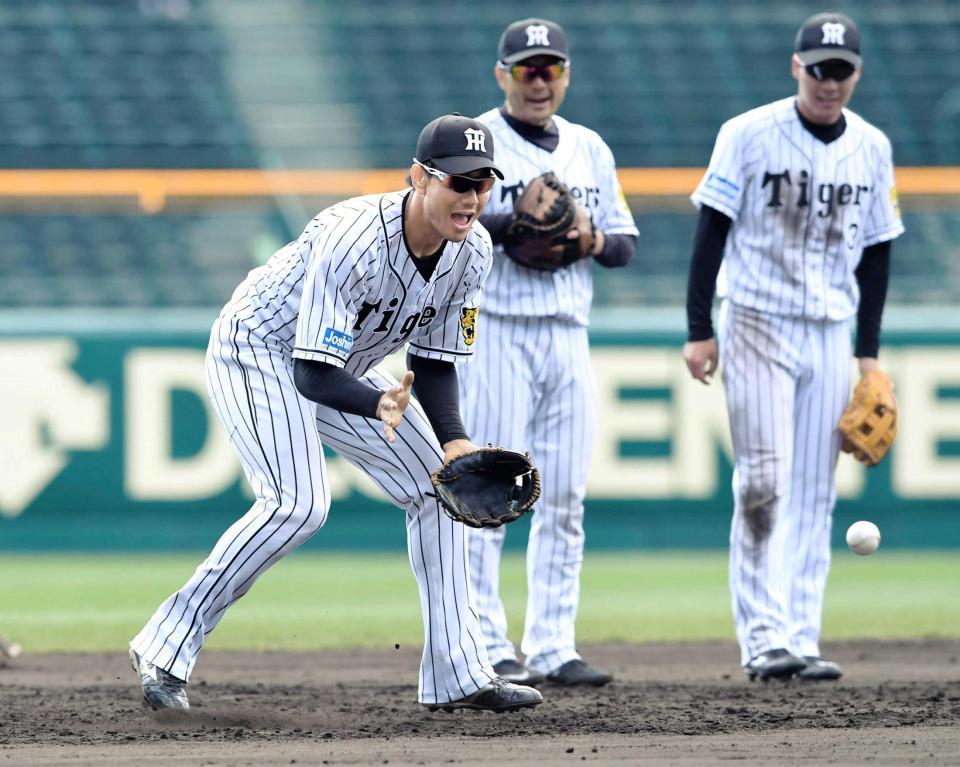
(348, 293)
(802, 211)
(585, 164)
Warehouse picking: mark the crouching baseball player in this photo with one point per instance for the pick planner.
(291, 366)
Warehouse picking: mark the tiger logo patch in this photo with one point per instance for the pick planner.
(468, 324)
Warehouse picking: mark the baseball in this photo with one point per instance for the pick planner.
(863, 538)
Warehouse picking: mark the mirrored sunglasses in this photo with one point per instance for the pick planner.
(524, 73)
(832, 69)
(460, 184)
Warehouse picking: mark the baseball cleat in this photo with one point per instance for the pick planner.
(819, 669)
(498, 696)
(161, 690)
(576, 672)
(516, 672)
(774, 664)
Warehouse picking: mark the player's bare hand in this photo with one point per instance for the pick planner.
(392, 404)
(598, 240)
(701, 358)
(455, 448)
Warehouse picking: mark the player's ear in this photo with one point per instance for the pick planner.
(501, 76)
(418, 178)
(795, 67)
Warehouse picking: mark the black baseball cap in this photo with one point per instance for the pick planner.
(828, 36)
(456, 144)
(532, 37)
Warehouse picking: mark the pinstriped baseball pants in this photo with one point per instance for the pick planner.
(787, 381)
(530, 387)
(278, 435)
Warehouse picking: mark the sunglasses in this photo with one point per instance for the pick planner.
(460, 184)
(524, 73)
(832, 69)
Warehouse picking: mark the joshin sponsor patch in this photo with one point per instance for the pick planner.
(337, 339)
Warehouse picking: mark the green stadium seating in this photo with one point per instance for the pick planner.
(125, 84)
(103, 84)
(194, 259)
(213, 84)
(197, 259)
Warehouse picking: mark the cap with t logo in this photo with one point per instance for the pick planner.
(456, 144)
(828, 36)
(532, 37)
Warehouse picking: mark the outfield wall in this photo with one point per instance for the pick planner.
(108, 442)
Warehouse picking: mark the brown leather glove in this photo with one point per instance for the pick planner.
(869, 424)
(543, 218)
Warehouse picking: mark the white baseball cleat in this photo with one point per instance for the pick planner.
(161, 689)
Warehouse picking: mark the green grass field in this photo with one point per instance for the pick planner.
(97, 602)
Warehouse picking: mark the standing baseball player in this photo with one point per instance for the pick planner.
(531, 384)
(291, 366)
(800, 206)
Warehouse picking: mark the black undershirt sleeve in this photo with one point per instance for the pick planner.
(497, 224)
(335, 388)
(438, 392)
(618, 249)
(872, 274)
(708, 243)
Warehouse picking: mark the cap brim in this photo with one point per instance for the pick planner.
(458, 166)
(818, 55)
(529, 53)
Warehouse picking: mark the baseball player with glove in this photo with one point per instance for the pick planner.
(799, 205)
(292, 365)
(558, 210)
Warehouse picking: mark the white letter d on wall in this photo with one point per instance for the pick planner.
(152, 472)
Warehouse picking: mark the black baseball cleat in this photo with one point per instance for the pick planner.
(576, 672)
(516, 672)
(820, 670)
(498, 696)
(774, 664)
(161, 689)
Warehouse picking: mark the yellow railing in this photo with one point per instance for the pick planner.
(153, 187)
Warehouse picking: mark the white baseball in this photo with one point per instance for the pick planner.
(863, 538)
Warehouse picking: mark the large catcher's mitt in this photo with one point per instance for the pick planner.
(543, 217)
(488, 487)
(869, 424)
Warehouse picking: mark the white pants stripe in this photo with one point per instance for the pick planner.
(531, 387)
(787, 382)
(277, 434)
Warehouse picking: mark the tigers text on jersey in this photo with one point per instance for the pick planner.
(585, 164)
(802, 211)
(348, 293)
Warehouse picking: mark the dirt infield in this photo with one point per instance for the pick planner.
(679, 703)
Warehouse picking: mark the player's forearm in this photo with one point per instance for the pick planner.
(708, 244)
(617, 250)
(438, 392)
(335, 388)
(873, 275)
